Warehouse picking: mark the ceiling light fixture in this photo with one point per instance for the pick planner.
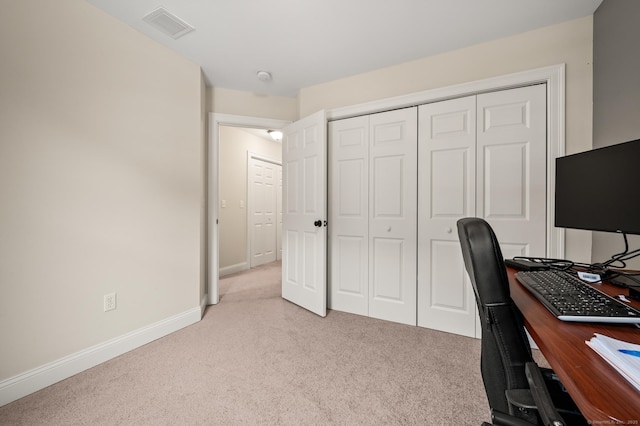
(264, 75)
(275, 134)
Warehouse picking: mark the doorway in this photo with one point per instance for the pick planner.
(249, 166)
(228, 195)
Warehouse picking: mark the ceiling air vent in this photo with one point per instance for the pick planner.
(169, 24)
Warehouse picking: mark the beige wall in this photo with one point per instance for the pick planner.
(227, 101)
(616, 103)
(569, 43)
(235, 144)
(100, 181)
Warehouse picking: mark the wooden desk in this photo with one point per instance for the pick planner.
(601, 393)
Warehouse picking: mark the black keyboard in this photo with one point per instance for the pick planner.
(570, 299)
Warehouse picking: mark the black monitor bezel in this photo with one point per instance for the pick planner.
(605, 180)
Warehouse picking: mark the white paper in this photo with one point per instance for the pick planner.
(613, 351)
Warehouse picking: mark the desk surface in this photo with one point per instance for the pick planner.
(601, 393)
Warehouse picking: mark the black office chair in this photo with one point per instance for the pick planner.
(518, 391)
(537, 398)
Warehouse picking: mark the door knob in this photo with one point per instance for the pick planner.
(448, 230)
(317, 223)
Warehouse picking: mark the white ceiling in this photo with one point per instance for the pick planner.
(307, 42)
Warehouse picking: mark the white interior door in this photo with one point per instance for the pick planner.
(263, 181)
(393, 213)
(304, 255)
(511, 168)
(446, 182)
(349, 215)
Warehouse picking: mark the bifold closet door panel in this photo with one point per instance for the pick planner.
(349, 215)
(446, 182)
(482, 156)
(393, 215)
(511, 168)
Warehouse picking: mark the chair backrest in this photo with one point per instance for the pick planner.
(504, 349)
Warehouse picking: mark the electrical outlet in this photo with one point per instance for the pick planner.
(109, 302)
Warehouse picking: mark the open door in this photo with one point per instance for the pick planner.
(304, 203)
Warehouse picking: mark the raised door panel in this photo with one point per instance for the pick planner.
(393, 215)
(388, 255)
(348, 217)
(511, 250)
(446, 182)
(448, 267)
(511, 167)
(505, 178)
(448, 179)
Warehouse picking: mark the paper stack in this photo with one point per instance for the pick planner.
(623, 356)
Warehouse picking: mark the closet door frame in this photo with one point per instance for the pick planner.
(553, 76)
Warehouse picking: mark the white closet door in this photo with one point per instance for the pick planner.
(393, 215)
(503, 181)
(263, 207)
(511, 168)
(446, 182)
(349, 215)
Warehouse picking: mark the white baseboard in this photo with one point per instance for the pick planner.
(31, 381)
(232, 269)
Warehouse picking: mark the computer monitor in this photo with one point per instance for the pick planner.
(598, 190)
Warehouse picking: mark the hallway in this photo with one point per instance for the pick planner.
(260, 282)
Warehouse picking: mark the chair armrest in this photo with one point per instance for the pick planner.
(521, 398)
(546, 409)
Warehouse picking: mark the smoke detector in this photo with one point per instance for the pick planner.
(161, 19)
(264, 75)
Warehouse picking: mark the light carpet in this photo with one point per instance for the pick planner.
(256, 359)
